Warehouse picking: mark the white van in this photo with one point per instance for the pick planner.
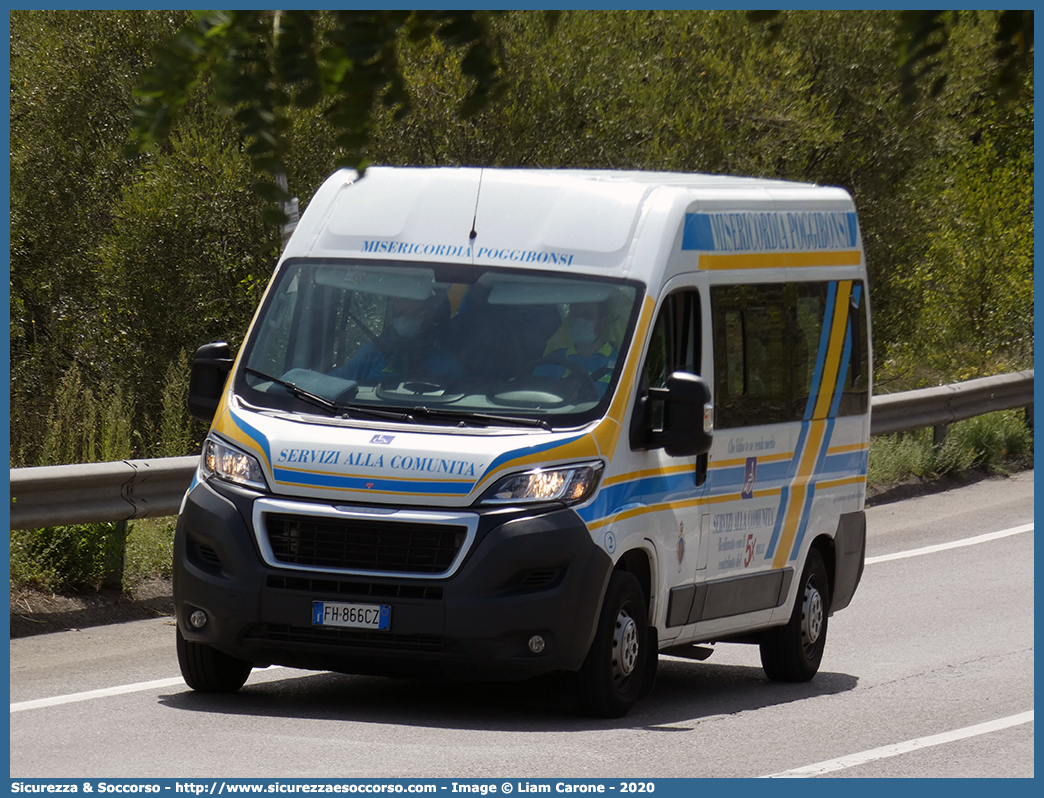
(496, 423)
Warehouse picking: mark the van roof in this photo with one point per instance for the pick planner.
(492, 175)
(587, 218)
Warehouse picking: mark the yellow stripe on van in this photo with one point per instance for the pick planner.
(838, 328)
(779, 260)
(762, 459)
(852, 447)
(635, 512)
(813, 442)
(607, 433)
(841, 483)
(372, 477)
(651, 472)
(225, 424)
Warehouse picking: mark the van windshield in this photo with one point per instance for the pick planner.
(438, 343)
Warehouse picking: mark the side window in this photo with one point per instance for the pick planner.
(674, 345)
(675, 342)
(770, 350)
(855, 390)
(754, 354)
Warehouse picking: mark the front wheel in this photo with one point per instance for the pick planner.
(208, 670)
(612, 676)
(792, 653)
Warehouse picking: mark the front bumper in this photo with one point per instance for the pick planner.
(531, 572)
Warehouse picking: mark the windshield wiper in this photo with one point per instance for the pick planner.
(391, 415)
(328, 404)
(397, 413)
(477, 418)
(319, 401)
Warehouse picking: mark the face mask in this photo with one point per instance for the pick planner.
(583, 331)
(407, 327)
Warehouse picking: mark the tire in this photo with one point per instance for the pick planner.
(652, 662)
(792, 653)
(612, 676)
(207, 670)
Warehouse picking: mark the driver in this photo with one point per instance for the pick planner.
(590, 349)
(407, 347)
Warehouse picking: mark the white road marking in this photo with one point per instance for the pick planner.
(852, 760)
(106, 692)
(902, 555)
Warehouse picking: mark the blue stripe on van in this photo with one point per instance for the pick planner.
(255, 435)
(697, 233)
(781, 513)
(657, 489)
(795, 462)
(369, 484)
(820, 466)
(842, 373)
(803, 521)
(853, 229)
(846, 463)
(824, 345)
(643, 491)
(515, 454)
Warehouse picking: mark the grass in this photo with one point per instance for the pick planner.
(77, 557)
(150, 547)
(998, 443)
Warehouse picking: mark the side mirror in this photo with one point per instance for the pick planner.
(210, 367)
(685, 402)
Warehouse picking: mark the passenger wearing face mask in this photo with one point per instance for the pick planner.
(407, 347)
(591, 350)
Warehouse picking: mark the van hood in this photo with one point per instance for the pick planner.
(427, 466)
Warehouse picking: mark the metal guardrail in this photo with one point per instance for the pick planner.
(132, 489)
(938, 407)
(92, 492)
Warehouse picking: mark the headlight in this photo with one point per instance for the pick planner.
(228, 463)
(572, 484)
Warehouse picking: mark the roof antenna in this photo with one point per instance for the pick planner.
(472, 235)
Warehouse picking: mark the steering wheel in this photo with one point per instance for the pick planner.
(584, 387)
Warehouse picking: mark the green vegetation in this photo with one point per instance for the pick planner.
(149, 551)
(122, 266)
(81, 557)
(998, 443)
(63, 558)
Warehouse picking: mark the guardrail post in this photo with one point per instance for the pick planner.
(939, 435)
(115, 556)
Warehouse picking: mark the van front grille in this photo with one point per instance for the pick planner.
(348, 639)
(363, 545)
(356, 589)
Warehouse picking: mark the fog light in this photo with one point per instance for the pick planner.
(536, 644)
(198, 619)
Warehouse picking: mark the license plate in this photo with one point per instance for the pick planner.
(354, 616)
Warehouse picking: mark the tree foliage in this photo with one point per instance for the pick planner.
(122, 266)
(265, 65)
(922, 41)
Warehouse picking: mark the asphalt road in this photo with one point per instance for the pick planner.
(928, 673)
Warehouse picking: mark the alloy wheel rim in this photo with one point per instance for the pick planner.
(625, 646)
(811, 617)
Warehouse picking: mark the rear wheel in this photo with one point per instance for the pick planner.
(792, 653)
(208, 670)
(612, 676)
